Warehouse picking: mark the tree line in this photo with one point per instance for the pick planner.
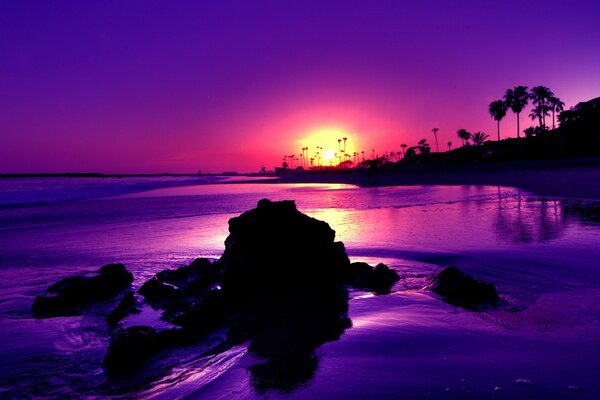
(517, 98)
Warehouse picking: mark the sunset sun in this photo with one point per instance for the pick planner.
(330, 145)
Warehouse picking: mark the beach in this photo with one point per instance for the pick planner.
(540, 253)
(567, 178)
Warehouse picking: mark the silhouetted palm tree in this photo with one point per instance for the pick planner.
(516, 99)
(541, 96)
(424, 146)
(556, 106)
(497, 110)
(539, 112)
(404, 146)
(479, 137)
(463, 135)
(435, 131)
(449, 146)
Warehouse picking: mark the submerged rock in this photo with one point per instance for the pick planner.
(379, 279)
(130, 346)
(125, 307)
(462, 289)
(69, 294)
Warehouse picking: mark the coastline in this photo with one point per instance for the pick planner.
(568, 178)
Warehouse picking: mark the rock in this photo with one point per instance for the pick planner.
(69, 294)
(189, 296)
(462, 289)
(277, 256)
(277, 286)
(199, 313)
(170, 286)
(130, 346)
(125, 307)
(379, 279)
(287, 348)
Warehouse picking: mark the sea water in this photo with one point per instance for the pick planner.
(542, 255)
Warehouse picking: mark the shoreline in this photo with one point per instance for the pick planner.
(570, 179)
(574, 178)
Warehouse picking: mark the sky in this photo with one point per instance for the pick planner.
(181, 86)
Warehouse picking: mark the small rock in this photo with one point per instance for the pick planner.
(73, 292)
(379, 279)
(126, 306)
(462, 289)
(130, 346)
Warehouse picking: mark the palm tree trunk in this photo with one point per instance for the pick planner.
(544, 114)
(498, 130)
(553, 120)
(518, 127)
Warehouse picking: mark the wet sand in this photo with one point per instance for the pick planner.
(573, 178)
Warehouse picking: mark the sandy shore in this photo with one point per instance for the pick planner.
(573, 178)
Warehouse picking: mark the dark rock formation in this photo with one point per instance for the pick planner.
(462, 289)
(69, 294)
(125, 307)
(170, 286)
(379, 279)
(130, 346)
(189, 296)
(277, 257)
(279, 285)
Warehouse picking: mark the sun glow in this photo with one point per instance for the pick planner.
(330, 146)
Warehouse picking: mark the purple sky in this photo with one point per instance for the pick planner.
(164, 86)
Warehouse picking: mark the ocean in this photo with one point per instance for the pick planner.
(543, 255)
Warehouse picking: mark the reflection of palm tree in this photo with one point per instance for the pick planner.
(517, 99)
(463, 135)
(435, 131)
(497, 110)
(479, 137)
(556, 105)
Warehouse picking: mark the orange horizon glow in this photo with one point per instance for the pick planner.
(328, 144)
